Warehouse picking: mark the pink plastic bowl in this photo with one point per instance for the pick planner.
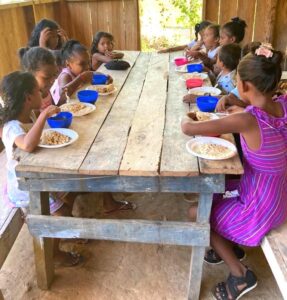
(180, 61)
(193, 83)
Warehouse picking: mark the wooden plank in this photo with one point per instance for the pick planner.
(43, 10)
(175, 160)
(227, 166)
(246, 11)
(142, 154)
(206, 183)
(43, 247)
(212, 11)
(265, 21)
(280, 37)
(228, 10)
(139, 231)
(87, 127)
(274, 246)
(105, 155)
(8, 232)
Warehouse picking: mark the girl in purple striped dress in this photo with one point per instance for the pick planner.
(261, 202)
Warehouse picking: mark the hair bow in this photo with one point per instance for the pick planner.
(265, 50)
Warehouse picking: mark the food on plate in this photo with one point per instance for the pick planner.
(200, 116)
(212, 150)
(194, 75)
(105, 88)
(77, 108)
(52, 137)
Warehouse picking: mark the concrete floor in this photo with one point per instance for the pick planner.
(125, 271)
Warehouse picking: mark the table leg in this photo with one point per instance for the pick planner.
(195, 273)
(1, 296)
(43, 247)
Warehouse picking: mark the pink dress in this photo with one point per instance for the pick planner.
(55, 89)
(262, 201)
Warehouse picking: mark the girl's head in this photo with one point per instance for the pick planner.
(260, 70)
(232, 32)
(102, 42)
(199, 28)
(211, 36)
(53, 41)
(229, 56)
(76, 57)
(41, 63)
(19, 91)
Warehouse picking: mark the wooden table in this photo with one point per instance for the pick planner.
(131, 143)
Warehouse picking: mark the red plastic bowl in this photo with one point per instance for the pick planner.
(193, 83)
(180, 61)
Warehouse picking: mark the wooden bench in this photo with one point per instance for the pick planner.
(274, 246)
(10, 225)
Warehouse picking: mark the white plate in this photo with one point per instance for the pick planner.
(69, 132)
(193, 143)
(203, 76)
(200, 91)
(83, 111)
(94, 87)
(183, 69)
(212, 116)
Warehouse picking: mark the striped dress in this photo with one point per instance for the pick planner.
(262, 201)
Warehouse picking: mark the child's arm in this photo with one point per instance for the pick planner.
(229, 100)
(69, 86)
(114, 55)
(236, 123)
(172, 49)
(98, 59)
(28, 142)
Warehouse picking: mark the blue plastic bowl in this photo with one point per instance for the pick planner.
(99, 79)
(61, 120)
(88, 96)
(194, 68)
(206, 103)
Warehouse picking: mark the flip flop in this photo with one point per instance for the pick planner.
(126, 205)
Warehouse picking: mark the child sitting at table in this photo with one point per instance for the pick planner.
(75, 74)
(41, 63)
(21, 94)
(102, 49)
(232, 32)
(196, 44)
(48, 34)
(228, 60)
(211, 43)
(260, 202)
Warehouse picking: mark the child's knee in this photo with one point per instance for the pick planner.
(192, 212)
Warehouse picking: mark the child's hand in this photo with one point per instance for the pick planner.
(192, 53)
(63, 35)
(189, 98)
(44, 37)
(50, 111)
(163, 51)
(222, 104)
(87, 76)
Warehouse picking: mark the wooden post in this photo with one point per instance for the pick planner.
(43, 247)
(1, 296)
(197, 255)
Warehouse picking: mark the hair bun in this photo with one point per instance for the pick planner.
(239, 21)
(22, 51)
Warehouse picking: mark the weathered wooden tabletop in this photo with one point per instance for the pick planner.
(134, 132)
(132, 142)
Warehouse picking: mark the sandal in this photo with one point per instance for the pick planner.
(212, 258)
(221, 289)
(125, 205)
(75, 260)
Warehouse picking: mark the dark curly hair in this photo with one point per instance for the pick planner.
(230, 55)
(200, 26)
(33, 58)
(14, 88)
(264, 73)
(70, 48)
(97, 38)
(235, 28)
(250, 47)
(40, 26)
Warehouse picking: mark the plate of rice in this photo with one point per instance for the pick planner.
(211, 148)
(77, 108)
(57, 138)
